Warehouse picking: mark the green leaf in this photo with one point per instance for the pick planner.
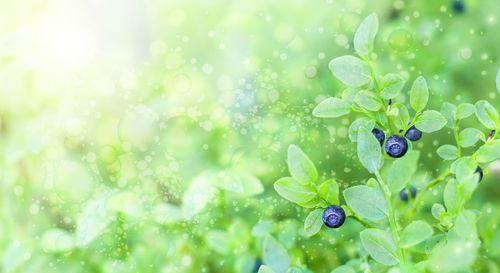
(275, 255)
(343, 269)
(402, 170)
(465, 169)
(449, 112)
(165, 213)
(300, 166)
(329, 191)
(297, 269)
(391, 85)
(451, 196)
(364, 36)
(127, 202)
(365, 122)
(430, 121)
(488, 152)
(13, 256)
(465, 110)
(419, 94)
(239, 182)
(313, 222)
(265, 269)
(369, 151)
(331, 108)
(368, 100)
(436, 210)
(218, 241)
(94, 218)
(455, 256)
(447, 152)
(486, 114)
(366, 201)
(350, 70)
(400, 115)
(57, 240)
(498, 81)
(349, 94)
(294, 191)
(198, 194)
(380, 245)
(469, 136)
(414, 233)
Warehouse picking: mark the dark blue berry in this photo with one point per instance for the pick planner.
(413, 134)
(480, 172)
(458, 6)
(333, 216)
(258, 263)
(396, 146)
(403, 194)
(379, 134)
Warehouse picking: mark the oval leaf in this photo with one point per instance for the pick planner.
(275, 255)
(486, 114)
(313, 222)
(465, 110)
(331, 108)
(419, 94)
(300, 166)
(329, 191)
(368, 100)
(469, 136)
(366, 201)
(364, 36)
(369, 151)
(447, 152)
(350, 70)
(402, 170)
(294, 191)
(430, 121)
(380, 245)
(392, 84)
(414, 233)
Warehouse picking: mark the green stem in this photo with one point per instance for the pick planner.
(362, 222)
(377, 88)
(431, 184)
(455, 132)
(412, 122)
(391, 216)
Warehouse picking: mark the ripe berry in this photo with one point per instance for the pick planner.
(458, 6)
(379, 135)
(258, 263)
(413, 133)
(396, 146)
(404, 195)
(333, 216)
(480, 172)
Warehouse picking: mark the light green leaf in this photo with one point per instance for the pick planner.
(331, 108)
(238, 182)
(369, 151)
(13, 257)
(414, 233)
(349, 94)
(350, 70)
(313, 222)
(293, 191)
(218, 241)
(365, 122)
(447, 152)
(436, 210)
(368, 100)
(465, 110)
(275, 255)
(486, 114)
(465, 169)
(57, 240)
(91, 223)
(391, 85)
(400, 115)
(364, 36)
(380, 245)
(366, 201)
(402, 170)
(449, 112)
(469, 136)
(165, 213)
(454, 256)
(263, 228)
(265, 269)
(498, 80)
(343, 269)
(488, 152)
(329, 191)
(127, 202)
(430, 121)
(300, 166)
(451, 196)
(297, 269)
(198, 194)
(419, 94)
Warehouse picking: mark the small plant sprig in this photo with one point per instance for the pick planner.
(385, 133)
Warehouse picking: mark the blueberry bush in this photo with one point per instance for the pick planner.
(411, 236)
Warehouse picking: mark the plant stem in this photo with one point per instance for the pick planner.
(431, 184)
(455, 132)
(362, 222)
(377, 88)
(391, 216)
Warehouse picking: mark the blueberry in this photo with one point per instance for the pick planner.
(379, 134)
(333, 216)
(396, 146)
(480, 172)
(403, 194)
(258, 263)
(413, 134)
(458, 5)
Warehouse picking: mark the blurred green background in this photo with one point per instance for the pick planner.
(113, 114)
